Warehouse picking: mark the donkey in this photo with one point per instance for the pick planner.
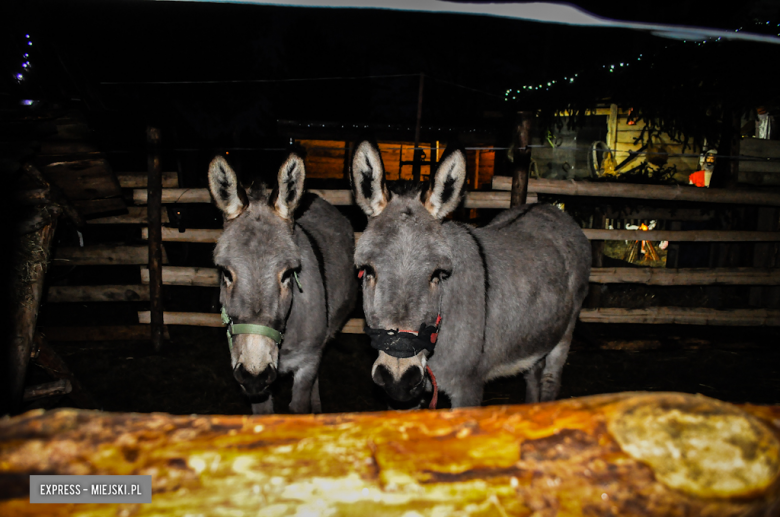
(494, 301)
(285, 259)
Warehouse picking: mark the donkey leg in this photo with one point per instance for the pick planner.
(264, 408)
(303, 381)
(553, 366)
(316, 405)
(467, 395)
(533, 382)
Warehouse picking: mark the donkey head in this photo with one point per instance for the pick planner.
(404, 258)
(257, 258)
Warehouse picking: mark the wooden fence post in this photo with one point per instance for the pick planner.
(154, 210)
(597, 250)
(521, 158)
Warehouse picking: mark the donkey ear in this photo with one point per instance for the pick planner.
(229, 196)
(368, 179)
(447, 185)
(291, 176)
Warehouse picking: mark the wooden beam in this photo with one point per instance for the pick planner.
(192, 276)
(103, 255)
(99, 333)
(693, 276)
(521, 158)
(624, 454)
(684, 316)
(97, 293)
(49, 389)
(154, 235)
(211, 236)
(627, 190)
(134, 215)
(140, 179)
(193, 319)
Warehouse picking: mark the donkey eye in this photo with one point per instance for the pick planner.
(439, 275)
(287, 275)
(227, 276)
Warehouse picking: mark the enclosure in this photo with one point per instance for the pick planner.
(106, 136)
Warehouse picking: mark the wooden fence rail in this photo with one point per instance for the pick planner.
(626, 190)
(211, 236)
(209, 277)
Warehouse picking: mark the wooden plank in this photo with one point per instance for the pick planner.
(97, 293)
(93, 207)
(170, 179)
(759, 148)
(134, 215)
(758, 166)
(193, 276)
(193, 319)
(99, 333)
(770, 179)
(67, 147)
(664, 214)
(49, 389)
(624, 454)
(693, 276)
(625, 190)
(681, 236)
(83, 179)
(189, 235)
(684, 316)
(103, 255)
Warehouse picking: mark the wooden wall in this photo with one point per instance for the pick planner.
(329, 159)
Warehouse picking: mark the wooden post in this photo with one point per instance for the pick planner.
(521, 158)
(597, 250)
(154, 208)
(417, 152)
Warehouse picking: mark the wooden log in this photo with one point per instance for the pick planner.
(154, 235)
(693, 276)
(588, 456)
(32, 220)
(134, 215)
(49, 389)
(57, 195)
(97, 293)
(90, 207)
(99, 333)
(170, 179)
(51, 362)
(27, 288)
(627, 190)
(193, 276)
(684, 316)
(103, 255)
(34, 197)
(211, 235)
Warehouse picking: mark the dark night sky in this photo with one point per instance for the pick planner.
(81, 45)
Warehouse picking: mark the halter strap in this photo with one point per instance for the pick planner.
(249, 328)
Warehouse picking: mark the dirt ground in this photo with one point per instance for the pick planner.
(193, 374)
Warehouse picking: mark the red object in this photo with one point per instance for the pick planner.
(697, 178)
(361, 273)
(435, 397)
(434, 337)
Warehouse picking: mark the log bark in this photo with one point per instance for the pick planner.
(35, 197)
(667, 192)
(49, 389)
(97, 293)
(575, 457)
(27, 291)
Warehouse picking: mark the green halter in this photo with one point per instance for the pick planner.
(248, 328)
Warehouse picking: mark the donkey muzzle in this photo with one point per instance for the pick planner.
(403, 379)
(254, 384)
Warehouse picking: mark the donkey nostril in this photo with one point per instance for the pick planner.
(240, 373)
(267, 376)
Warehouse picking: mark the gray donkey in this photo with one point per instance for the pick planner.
(493, 301)
(287, 283)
